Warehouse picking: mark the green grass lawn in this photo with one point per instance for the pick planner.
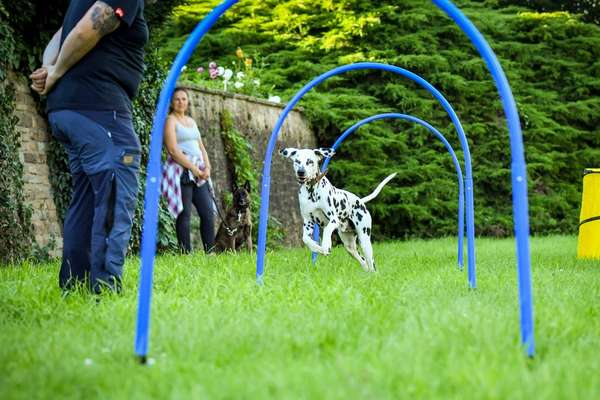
(412, 330)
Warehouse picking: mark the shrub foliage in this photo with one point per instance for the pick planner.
(550, 58)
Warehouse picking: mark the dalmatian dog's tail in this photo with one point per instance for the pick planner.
(377, 189)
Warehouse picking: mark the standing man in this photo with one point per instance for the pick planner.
(91, 71)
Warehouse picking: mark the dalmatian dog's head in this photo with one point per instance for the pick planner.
(306, 161)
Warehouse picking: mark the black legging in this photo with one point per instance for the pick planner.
(200, 197)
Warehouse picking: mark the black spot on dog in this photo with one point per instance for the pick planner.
(329, 201)
(359, 216)
(369, 231)
(293, 153)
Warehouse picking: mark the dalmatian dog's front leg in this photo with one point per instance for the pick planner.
(307, 238)
(327, 232)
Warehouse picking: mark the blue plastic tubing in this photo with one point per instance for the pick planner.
(266, 178)
(153, 178)
(518, 170)
(461, 201)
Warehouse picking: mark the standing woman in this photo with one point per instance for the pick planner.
(187, 156)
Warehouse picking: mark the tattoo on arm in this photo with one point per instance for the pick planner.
(104, 19)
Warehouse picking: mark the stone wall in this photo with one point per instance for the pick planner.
(253, 118)
(37, 188)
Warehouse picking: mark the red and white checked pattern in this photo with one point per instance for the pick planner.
(170, 184)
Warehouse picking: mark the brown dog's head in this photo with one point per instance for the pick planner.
(241, 196)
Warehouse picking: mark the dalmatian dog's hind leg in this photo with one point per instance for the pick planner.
(349, 240)
(308, 229)
(363, 232)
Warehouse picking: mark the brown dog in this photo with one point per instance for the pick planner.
(236, 229)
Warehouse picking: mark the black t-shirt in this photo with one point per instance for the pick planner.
(108, 77)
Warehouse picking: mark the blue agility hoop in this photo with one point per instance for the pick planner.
(518, 170)
(461, 201)
(151, 197)
(266, 178)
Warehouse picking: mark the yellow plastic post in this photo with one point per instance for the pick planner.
(589, 220)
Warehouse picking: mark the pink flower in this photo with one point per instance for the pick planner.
(200, 70)
(213, 73)
(212, 65)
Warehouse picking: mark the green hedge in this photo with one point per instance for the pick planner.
(551, 60)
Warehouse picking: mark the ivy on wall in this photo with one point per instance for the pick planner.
(143, 116)
(25, 28)
(238, 152)
(15, 216)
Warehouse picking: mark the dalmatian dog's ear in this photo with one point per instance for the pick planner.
(324, 152)
(288, 152)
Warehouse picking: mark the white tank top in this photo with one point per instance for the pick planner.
(188, 139)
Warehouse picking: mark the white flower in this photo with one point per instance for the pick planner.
(256, 82)
(238, 85)
(183, 68)
(87, 362)
(240, 75)
(227, 74)
(275, 99)
(220, 71)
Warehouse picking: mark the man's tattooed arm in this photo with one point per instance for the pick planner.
(104, 19)
(99, 21)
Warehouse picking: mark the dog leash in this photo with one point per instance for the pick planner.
(230, 231)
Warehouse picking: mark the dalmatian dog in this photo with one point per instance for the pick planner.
(324, 204)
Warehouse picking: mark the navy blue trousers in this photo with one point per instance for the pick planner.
(104, 158)
(200, 198)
